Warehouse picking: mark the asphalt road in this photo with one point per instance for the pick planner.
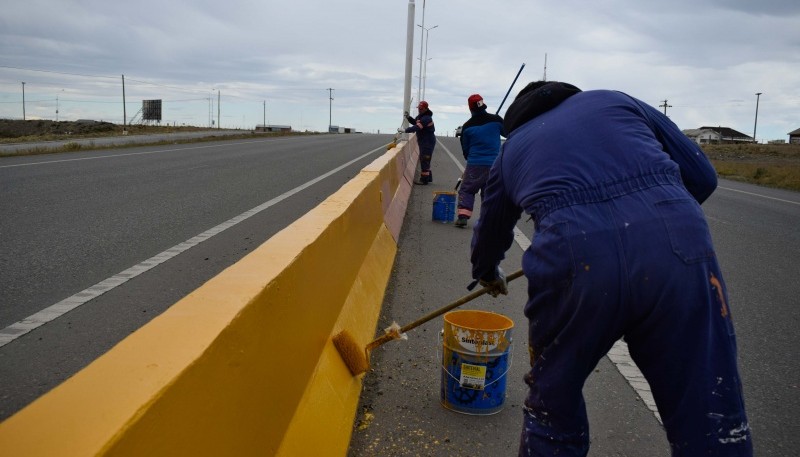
(73, 223)
(68, 222)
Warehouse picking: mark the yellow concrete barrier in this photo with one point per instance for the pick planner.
(244, 365)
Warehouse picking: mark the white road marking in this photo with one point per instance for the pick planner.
(759, 195)
(57, 310)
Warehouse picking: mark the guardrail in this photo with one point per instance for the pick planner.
(244, 365)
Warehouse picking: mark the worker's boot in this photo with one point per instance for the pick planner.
(461, 222)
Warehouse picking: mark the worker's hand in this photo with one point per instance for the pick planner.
(499, 284)
(405, 114)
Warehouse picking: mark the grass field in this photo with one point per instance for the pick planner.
(772, 165)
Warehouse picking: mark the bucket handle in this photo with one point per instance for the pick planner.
(439, 356)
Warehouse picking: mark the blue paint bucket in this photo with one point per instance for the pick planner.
(476, 357)
(444, 206)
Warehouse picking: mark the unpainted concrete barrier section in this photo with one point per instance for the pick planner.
(244, 365)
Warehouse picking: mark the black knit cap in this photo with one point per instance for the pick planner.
(534, 99)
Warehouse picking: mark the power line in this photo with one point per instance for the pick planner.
(56, 72)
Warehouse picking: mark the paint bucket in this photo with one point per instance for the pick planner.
(444, 206)
(476, 357)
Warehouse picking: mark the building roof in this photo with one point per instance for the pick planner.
(727, 132)
(794, 132)
(694, 132)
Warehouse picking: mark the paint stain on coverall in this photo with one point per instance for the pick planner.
(716, 285)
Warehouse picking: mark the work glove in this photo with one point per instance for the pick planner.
(499, 285)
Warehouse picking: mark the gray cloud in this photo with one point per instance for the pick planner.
(708, 59)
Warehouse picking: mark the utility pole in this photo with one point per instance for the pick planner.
(758, 95)
(265, 116)
(665, 106)
(330, 109)
(23, 100)
(124, 111)
(218, 100)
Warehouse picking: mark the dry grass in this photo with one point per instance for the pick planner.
(772, 165)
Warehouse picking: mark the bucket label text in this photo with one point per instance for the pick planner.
(472, 376)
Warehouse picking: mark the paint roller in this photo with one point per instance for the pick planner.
(357, 358)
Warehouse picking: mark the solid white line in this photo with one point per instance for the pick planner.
(57, 310)
(758, 195)
(618, 355)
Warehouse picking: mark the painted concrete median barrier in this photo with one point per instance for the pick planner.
(244, 365)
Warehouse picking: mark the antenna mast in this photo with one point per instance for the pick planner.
(544, 78)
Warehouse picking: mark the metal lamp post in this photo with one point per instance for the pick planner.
(755, 124)
(425, 69)
(419, 87)
(23, 100)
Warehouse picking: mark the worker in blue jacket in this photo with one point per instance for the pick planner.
(423, 126)
(621, 249)
(480, 144)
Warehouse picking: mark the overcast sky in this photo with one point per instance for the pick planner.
(275, 61)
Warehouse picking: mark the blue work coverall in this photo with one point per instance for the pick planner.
(423, 126)
(621, 249)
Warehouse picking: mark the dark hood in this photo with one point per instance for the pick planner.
(537, 98)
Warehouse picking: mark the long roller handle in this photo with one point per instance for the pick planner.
(466, 298)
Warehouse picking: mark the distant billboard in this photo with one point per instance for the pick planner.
(151, 110)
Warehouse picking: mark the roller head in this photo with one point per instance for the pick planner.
(353, 355)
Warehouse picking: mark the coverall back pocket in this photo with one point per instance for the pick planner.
(687, 229)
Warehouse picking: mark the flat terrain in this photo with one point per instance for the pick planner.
(15, 131)
(772, 165)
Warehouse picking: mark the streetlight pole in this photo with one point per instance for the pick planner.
(419, 87)
(409, 61)
(330, 109)
(23, 100)
(425, 71)
(755, 124)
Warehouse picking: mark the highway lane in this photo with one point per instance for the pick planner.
(756, 233)
(71, 221)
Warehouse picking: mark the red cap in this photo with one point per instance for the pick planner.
(422, 105)
(475, 101)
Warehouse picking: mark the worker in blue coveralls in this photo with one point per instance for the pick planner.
(480, 144)
(621, 249)
(423, 126)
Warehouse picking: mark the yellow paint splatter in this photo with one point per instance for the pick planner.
(366, 421)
